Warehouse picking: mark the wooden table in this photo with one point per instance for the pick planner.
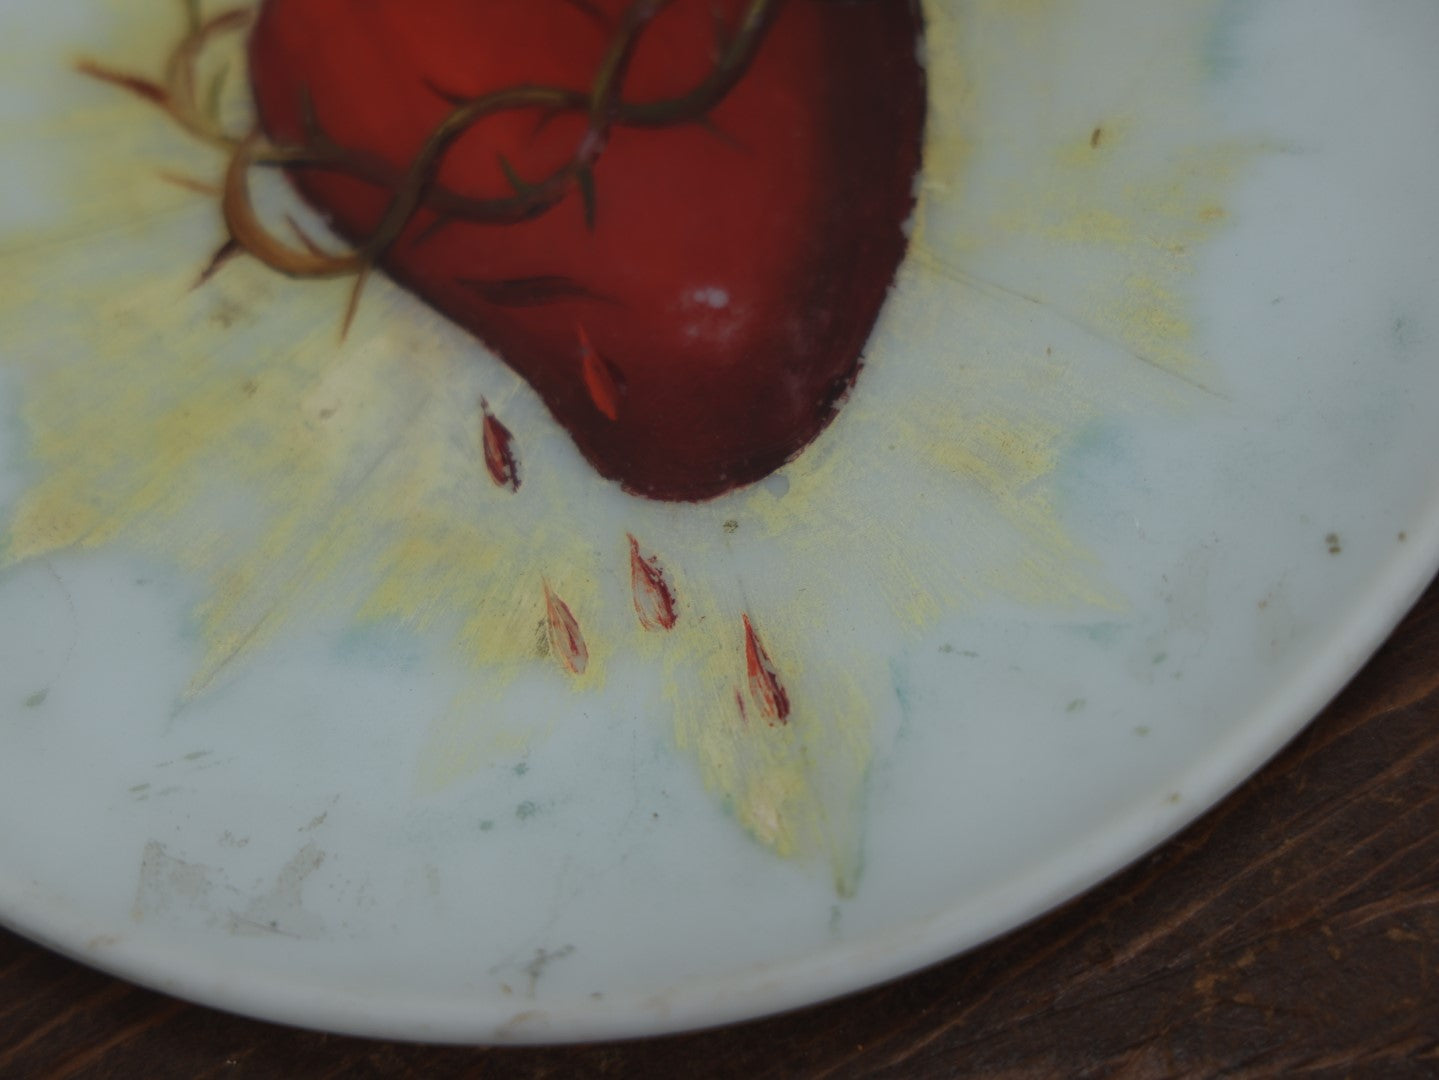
(1293, 931)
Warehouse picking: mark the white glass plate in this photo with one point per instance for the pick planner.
(1139, 470)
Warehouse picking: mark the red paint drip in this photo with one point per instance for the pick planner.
(764, 685)
(499, 451)
(739, 704)
(654, 599)
(567, 644)
(599, 378)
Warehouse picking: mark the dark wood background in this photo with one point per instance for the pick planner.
(1292, 931)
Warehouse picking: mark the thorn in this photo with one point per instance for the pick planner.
(189, 183)
(309, 119)
(706, 123)
(304, 237)
(435, 226)
(150, 91)
(723, 38)
(593, 11)
(226, 251)
(517, 183)
(546, 115)
(499, 450)
(599, 378)
(449, 97)
(764, 685)
(567, 644)
(586, 179)
(354, 304)
(215, 91)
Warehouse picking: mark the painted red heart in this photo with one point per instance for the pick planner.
(704, 324)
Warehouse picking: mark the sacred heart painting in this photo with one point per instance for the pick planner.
(530, 519)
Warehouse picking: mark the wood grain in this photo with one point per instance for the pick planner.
(1292, 931)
